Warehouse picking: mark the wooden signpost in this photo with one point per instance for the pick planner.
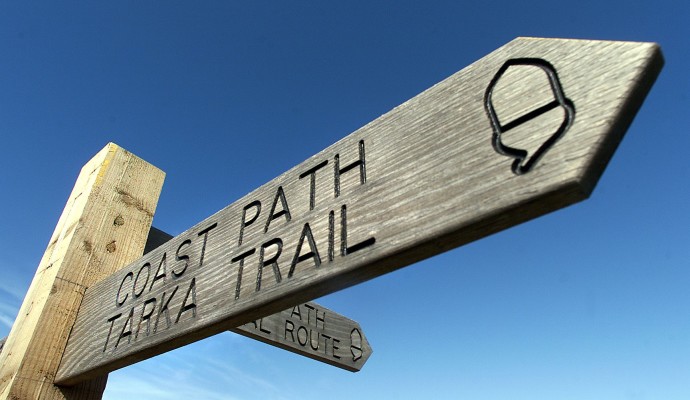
(522, 132)
(307, 329)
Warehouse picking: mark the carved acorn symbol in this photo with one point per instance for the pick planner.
(528, 111)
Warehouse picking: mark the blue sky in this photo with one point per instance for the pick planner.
(589, 302)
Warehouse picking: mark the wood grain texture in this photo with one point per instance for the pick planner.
(308, 329)
(102, 228)
(424, 178)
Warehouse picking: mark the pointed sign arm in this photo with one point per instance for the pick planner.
(524, 131)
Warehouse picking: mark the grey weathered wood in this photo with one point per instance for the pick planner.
(437, 176)
(315, 332)
(308, 329)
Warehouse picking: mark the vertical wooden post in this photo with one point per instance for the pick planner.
(102, 228)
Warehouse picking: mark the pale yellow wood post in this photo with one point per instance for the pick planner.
(102, 228)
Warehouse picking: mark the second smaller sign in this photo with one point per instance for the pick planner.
(315, 332)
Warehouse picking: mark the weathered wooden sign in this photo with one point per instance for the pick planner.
(315, 332)
(309, 329)
(522, 132)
